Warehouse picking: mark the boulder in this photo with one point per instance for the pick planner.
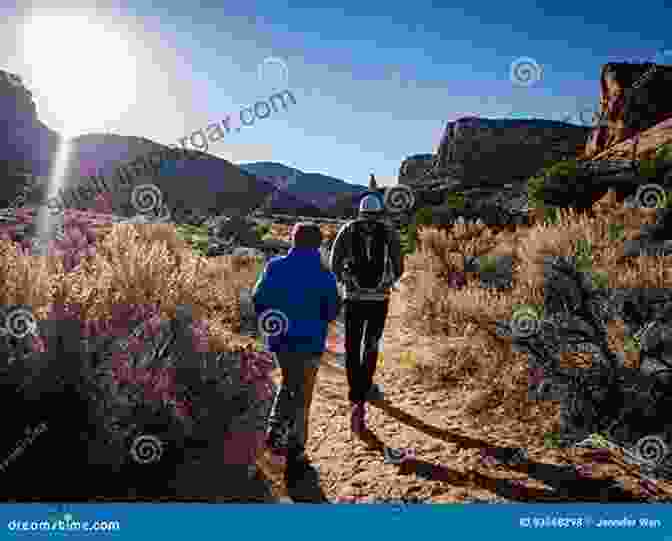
(633, 98)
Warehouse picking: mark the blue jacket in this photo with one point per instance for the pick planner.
(305, 296)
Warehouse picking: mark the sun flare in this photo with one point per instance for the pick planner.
(85, 73)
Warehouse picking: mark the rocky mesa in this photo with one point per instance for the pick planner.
(492, 152)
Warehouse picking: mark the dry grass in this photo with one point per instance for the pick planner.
(134, 264)
(471, 356)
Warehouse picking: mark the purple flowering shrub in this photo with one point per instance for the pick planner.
(148, 391)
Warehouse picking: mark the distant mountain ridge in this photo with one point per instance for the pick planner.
(315, 189)
(208, 184)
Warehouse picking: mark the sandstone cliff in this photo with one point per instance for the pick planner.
(633, 98)
(493, 152)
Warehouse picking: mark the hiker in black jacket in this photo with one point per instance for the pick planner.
(366, 260)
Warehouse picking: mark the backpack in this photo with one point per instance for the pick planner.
(369, 262)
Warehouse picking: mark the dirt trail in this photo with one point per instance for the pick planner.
(448, 443)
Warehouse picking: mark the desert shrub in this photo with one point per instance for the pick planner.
(408, 238)
(196, 237)
(423, 217)
(99, 312)
(488, 264)
(652, 168)
(455, 200)
(568, 168)
(409, 234)
(462, 321)
(535, 191)
(262, 230)
(564, 168)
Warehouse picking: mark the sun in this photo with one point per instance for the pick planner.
(85, 73)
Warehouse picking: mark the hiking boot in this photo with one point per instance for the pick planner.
(358, 418)
(375, 394)
(299, 469)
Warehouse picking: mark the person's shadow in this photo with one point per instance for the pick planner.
(565, 485)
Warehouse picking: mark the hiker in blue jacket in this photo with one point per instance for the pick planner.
(295, 298)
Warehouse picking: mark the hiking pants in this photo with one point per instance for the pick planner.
(363, 319)
(290, 413)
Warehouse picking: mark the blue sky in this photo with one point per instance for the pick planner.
(374, 82)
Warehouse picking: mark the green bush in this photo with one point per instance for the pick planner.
(488, 264)
(409, 233)
(408, 239)
(631, 344)
(195, 236)
(564, 168)
(535, 192)
(535, 184)
(600, 280)
(653, 167)
(552, 440)
(616, 232)
(551, 216)
(583, 255)
(455, 200)
(262, 230)
(423, 217)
